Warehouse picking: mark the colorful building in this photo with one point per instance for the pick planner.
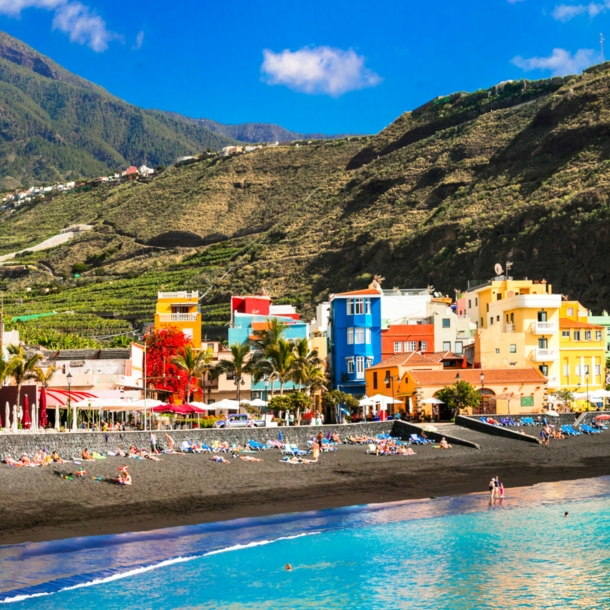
(181, 310)
(528, 315)
(603, 320)
(582, 349)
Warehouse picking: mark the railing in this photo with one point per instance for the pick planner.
(510, 328)
(545, 328)
(545, 355)
(553, 382)
(178, 317)
(178, 295)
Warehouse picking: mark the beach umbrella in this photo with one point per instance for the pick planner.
(57, 423)
(42, 415)
(429, 428)
(257, 402)
(604, 416)
(228, 405)
(432, 401)
(551, 413)
(15, 417)
(26, 422)
(7, 415)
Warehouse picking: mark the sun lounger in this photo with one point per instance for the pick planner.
(293, 450)
(419, 440)
(256, 446)
(588, 430)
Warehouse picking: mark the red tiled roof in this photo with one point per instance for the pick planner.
(473, 376)
(355, 293)
(411, 358)
(440, 356)
(567, 323)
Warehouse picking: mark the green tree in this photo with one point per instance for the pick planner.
(280, 404)
(24, 367)
(563, 396)
(304, 360)
(238, 366)
(459, 396)
(299, 403)
(44, 378)
(280, 362)
(331, 401)
(192, 363)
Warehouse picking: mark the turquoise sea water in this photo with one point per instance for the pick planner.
(456, 552)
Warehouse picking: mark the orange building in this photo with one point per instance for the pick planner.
(405, 338)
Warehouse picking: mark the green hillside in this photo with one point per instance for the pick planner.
(55, 125)
(518, 172)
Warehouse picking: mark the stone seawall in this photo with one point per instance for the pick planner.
(404, 430)
(479, 426)
(69, 444)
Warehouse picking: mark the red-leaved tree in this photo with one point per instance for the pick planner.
(161, 347)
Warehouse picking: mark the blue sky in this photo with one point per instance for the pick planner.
(329, 66)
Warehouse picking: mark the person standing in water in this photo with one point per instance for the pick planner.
(492, 489)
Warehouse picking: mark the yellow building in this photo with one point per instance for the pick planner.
(180, 310)
(527, 313)
(582, 350)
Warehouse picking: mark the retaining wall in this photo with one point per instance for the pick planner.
(69, 444)
(405, 429)
(479, 426)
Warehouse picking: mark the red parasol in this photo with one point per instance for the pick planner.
(26, 421)
(605, 416)
(42, 415)
(184, 409)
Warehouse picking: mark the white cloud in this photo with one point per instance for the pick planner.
(139, 41)
(565, 12)
(73, 18)
(14, 7)
(560, 62)
(318, 70)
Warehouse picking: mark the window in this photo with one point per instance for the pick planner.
(491, 321)
(469, 304)
(397, 346)
(367, 305)
(369, 362)
(513, 348)
(542, 343)
(566, 370)
(360, 366)
(423, 346)
(410, 346)
(350, 365)
(586, 370)
(497, 350)
(446, 323)
(578, 369)
(576, 335)
(211, 346)
(598, 335)
(375, 380)
(350, 336)
(358, 306)
(459, 347)
(544, 369)
(230, 375)
(542, 316)
(570, 311)
(482, 322)
(476, 302)
(587, 335)
(446, 346)
(499, 296)
(367, 336)
(598, 369)
(487, 308)
(497, 318)
(350, 307)
(565, 333)
(359, 336)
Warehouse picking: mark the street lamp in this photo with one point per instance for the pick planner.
(482, 380)
(389, 379)
(69, 378)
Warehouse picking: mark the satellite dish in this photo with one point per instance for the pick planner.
(498, 269)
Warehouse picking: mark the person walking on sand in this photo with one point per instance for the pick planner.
(153, 442)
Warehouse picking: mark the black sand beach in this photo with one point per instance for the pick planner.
(36, 504)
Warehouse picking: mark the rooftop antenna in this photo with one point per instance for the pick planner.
(601, 44)
(498, 269)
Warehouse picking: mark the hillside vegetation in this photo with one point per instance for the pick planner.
(518, 172)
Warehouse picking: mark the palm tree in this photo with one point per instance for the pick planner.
(303, 360)
(240, 365)
(281, 359)
(193, 363)
(270, 336)
(23, 367)
(314, 379)
(44, 378)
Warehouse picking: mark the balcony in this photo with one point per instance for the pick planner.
(510, 328)
(553, 382)
(545, 355)
(183, 294)
(545, 328)
(178, 317)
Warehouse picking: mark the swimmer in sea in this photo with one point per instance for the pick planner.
(288, 567)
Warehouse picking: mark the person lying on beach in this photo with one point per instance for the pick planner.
(220, 459)
(85, 455)
(154, 458)
(25, 460)
(405, 451)
(118, 453)
(55, 458)
(9, 461)
(335, 438)
(249, 458)
(133, 450)
(444, 444)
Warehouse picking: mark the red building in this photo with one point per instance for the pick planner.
(403, 338)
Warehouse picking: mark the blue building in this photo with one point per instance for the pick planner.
(355, 338)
